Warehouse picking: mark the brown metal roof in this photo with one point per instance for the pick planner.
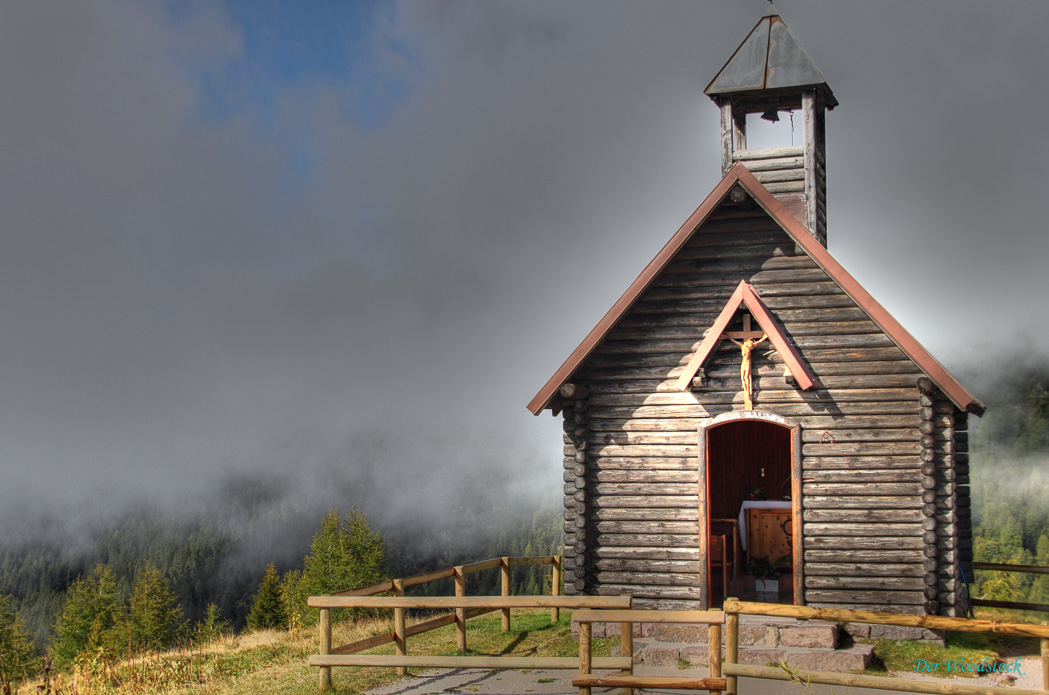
(739, 174)
(746, 296)
(769, 59)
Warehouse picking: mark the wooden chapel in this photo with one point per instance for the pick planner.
(746, 363)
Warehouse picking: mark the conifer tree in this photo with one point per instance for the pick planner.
(345, 554)
(89, 616)
(17, 660)
(154, 618)
(267, 608)
(293, 596)
(212, 627)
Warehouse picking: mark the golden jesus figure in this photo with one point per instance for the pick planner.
(745, 348)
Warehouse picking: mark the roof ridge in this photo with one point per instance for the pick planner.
(944, 380)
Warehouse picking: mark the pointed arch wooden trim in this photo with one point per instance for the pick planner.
(745, 295)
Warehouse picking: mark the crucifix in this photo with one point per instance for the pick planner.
(747, 340)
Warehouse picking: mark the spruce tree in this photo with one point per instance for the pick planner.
(212, 627)
(345, 554)
(154, 618)
(267, 608)
(89, 616)
(17, 660)
(293, 595)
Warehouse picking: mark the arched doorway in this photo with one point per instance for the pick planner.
(743, 456)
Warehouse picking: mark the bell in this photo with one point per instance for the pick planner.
(771, 114)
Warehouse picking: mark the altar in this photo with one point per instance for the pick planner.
(765, 528)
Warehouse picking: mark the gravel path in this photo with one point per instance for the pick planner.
(543, 682)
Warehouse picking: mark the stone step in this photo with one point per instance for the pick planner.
(854, 658)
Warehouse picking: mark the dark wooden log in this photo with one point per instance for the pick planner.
(632, 540)
(862, 515)
(863, 570)
(574, 391)
(863, 500)
(644, 489)
(872, 556)
(880, 598)
(859, 462)
(644, 591)
(643, 451)
(644, 527)
(661, 566)
(644, 502)
(647, 578)
(864, 476)
(852, 582)
(655, 476)
(633, 514)
(861, 448)
(696, 412)
(640, 463)
(858, 435)
(813, 530)
(663, 392)
(646, 554)
(863, 543)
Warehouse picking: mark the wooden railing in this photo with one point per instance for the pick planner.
(734, 608)
(627, 680)
(1013, 605)
(470, 606)
(366, 597)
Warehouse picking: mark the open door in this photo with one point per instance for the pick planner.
(749, 489)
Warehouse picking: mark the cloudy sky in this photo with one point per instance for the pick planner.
(355, 238)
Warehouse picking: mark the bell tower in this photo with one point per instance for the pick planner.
(768, 74)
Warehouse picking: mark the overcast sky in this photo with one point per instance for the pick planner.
(357, 237)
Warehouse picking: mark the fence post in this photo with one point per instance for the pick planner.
(504, 569)
(731, 647)
(626, 648)
(325, 647)
(584, 655)
(460, 613)
(555, 586)
(1045, 663)
(714, 650)
(398, 627)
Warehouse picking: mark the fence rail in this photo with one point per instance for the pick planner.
(1012, 605)
(464, 608)
(627, 680)
(590, 609)
(735, 608)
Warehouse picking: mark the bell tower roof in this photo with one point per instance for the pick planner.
(770, 59)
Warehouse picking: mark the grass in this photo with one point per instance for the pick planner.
(962, 646)
(273, 662)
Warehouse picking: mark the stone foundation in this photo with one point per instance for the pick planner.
(804, 644)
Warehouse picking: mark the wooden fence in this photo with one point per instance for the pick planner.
(1013, 605)
(724, 673)
(627, 680)
(464, 608)
(734, 608)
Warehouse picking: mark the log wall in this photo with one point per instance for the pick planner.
(871, 540)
